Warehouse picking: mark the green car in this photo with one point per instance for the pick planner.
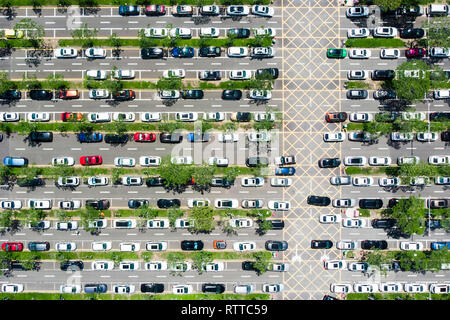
(336, 53)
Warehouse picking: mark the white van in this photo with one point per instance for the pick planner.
(438, 10)
(244, 288)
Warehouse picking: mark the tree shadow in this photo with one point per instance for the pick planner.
(112, 102)
(169, 102)
(37, 9)
(116, 52)
(9, 12)
(62, 8)
(6, 52)
(91, 10)
(201, 20)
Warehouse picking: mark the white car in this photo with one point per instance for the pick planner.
(357, 12)
(181, 160)
(262, 52)
(402, 136)
(216, 116)
(334, 136)
(355, 161)
(11, 204)
(273, 288)
(76, 288)
(347, 245)
(97, 181)
(264, 116)
(389, 182)
(9, 116)
(257, 94)
(390, 287)
(65, 53)
(123, 74)
(419, 181)
(357, 266)
(228, 137)
(362, 181)
(132, 181)
(329, 218)
(241, 223)
(182, 289)
(129, 265)
(156, 32)
(411, 246)
(69, 205)
(124, 162)
(102, 265)
(441, 94)
(441, 288)
(124, 289)
(98, 223)
(98, 94)
(209, 32)
(12, 288)
(95, 53)
(151, 116)
(101, 246)
(279, 205)
(359, 54)
(341, 288)
(385, 32)
(265, 32)
(389, 53)
(238, 10)
(66, 246)
(156, 246)
(360, 117)
(149, 161)
(211, 10)
(174, 73)
(38, 116)
(252, 182)
(441, 180)
(220, 162)
(169, 94)
(186, 116)
(439, 160)
(180, 266)
(40, 204)
(156, 266)
(427, 136)
(124, 223)
(340, 180)
(158, 224)
(357, 75)
(214, 267)
(353, 223)
(226, 203)
(244, 246)
(264, 11)
(96, 74)
(358, 33)
(365, 287)
(197, 203)
(68, 181)
(183, 33)
(249, 204)
(183, 223)
(335, 265)
(380, 161)
(240, 74)
(420, 116)
(280, 267)
(259, 136)
(237, 52)
(415, 287)
(344, 203)
(280, 182)
(63, 161)
(124, 116)
(129, 246)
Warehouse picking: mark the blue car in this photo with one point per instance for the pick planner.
(287, 171)
(129, 10)
(440, 245)
(15, 161)
(198, 137)
(182, 52)
(90, 137)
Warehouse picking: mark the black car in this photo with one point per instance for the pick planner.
(34, 182)
(41, 94)
(392, 202)
(370, 203)
(152, 53)
(195, 245)
(257, 161)
(383, 94)
(152, 288)
(116, 138)
(241, 116)
(73, 265)
(445, 136)
(248, 266)
(374, 244)
(210, 52)
(329, 163)
(39, 246)
(328, 297)
(321, 244)
(274, 245)
(192, 94)
(39, 226)
(166, 137)
(98, 204)
(267, 73)
(239, 33)
(276, 224)
(318, 201)
(383, 223)
(10, 95)
(439, 116)
(412, 33)
(155, 182)
(213, 288)
(209, 75)
(168, 203)
(221, 182)
(41, 136)
(357, 94)
(135, 203)
(231, 94)
(386, 116)
(383, 74)
(22, 266)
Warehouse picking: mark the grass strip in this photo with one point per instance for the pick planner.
(375, 43)
(356, 85)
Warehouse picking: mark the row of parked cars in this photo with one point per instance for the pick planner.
(360, 161)
(433, 10)
(391, 287)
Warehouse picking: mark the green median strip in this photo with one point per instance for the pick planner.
(375, 43)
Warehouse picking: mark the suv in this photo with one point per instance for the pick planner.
(276, 224)
(166, 137)
(34, 182)
(221, 182)
(116, 138)
(374, 244)
(98, 204)
(152, 287)
(370, 203)
(95, 288)
(257, 161)
(73, 265)
(241, 116)
(383, 223)
(124, 223)
(210, 52)
(41, 136)
(213, 288)
(318, 201)
(39, 246)
(383, 74)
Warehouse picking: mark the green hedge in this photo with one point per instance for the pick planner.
(356, 85)
(375, 43)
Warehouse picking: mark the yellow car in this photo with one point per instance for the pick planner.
(13, 34)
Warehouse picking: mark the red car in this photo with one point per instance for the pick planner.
(144, 137)
(91, 160)
(71, 116)
(415, 53)
(154, 10)
(12, 246)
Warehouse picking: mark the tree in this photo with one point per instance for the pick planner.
(262, 262)
(174, 175)
(119, 127)
(407, 171)
(231, 173)
(5, 174)
(6, 219)
(87, 3)
(202, 176)
(6, 84)
(85, 35)
(144, 41)
(173, 214)
(386, 5)
(438, 32)
(200, 259)
(437, 258)
(6, 4)
(115, 176)
(115, 42)
(62, 215)
(412, 260)
(35, 215)
(409, 214)
(31, 173)
(411, 83)
(227, 228)
(57, 82)
(29, 82)
(33, 32)
(264, 226)
(203, 219)
(89, 215)
(169, 84)
(174, 258)
(116, 257)
(113, 85)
